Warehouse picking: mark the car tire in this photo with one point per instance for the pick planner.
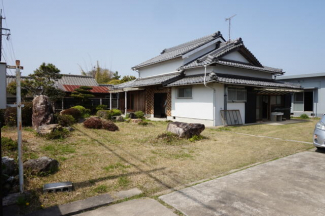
(320, 149)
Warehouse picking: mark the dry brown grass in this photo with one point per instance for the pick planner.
(99, 161)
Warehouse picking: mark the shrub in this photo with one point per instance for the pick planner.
(75, 113)
(93, 122)
(105, 114)
(116, 112)
(101, 107)
(139, 114)
(196, 138)
(127, 116)
(65, 120)
(143, 123)
(109, 125)
(9, 144)
(84, 112)
(11, 115)
(304, 116)
(59, 133)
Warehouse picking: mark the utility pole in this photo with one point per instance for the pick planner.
(19, 124)
(6, 34)
(229, 19)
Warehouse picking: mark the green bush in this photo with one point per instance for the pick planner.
(196, 138)
(73, 112)
(105, 114)
(9, 144)
(304, 116)
(59, 133)
(65, 120)
(116, 112)
(10, 116)
(139, 114)
(143, 123)
(85, 113)
(101, 107)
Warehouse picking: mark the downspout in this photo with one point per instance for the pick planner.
(225, 104)
(214, 95)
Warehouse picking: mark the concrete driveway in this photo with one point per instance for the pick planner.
(294, 185)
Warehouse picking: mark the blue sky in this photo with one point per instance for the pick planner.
(123, 33)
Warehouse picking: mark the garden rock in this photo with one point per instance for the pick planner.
(136, 120)
(9, 166)
(47, 129)
(42, 111)
(119, 119)
(185, 130)
(132, 116)
(41, 165)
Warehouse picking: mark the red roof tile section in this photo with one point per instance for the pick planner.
(96, 89)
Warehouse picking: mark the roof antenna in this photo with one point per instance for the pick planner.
(229, 19)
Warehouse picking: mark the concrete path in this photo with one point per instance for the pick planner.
(136, 207)
(294, 185)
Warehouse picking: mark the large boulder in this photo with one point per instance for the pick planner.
(185, 130)
(9, 166)
(42, 111)
(46, 129)
(41, 166)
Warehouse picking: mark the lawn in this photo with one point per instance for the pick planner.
(99, 161)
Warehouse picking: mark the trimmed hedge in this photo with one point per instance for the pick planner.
(93, 122)
(65, 120)
(139, 114)
(84, 112)
(109, 125)
(75, 113)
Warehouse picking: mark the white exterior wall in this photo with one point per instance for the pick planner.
(199, 109)
(235, 56)
(161, 68)
(199, 106)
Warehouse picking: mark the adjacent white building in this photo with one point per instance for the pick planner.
(311, 101)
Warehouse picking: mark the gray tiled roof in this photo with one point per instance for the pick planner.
(157, 80)
(215, 57)
(69, 79)
(11, 78)
(232, 79)
(177, 51)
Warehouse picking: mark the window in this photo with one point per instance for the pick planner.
(237, 94)
(185, 92)
(299, 97)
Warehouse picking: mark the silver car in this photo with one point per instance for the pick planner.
(319, 134)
